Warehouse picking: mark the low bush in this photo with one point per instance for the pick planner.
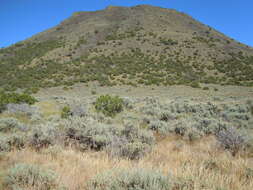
(4, 145)
(9, 142)
(159, 126)
(20, 109)
(195, 85)
(65, 113)
(166, 116)
(11, 125)
(91, 135)
(109, 105)
(74, 111)
(25, 176)
(44, 135)
(133, 150)
(141, 179)
(78, 110)
(230, 139)
(133, 143)
(128, 141)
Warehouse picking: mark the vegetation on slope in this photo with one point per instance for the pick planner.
(136, 51)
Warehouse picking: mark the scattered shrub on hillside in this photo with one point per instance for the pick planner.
(11, 125)
(230, 139)
(109, 105)
(141, 179)
(25, 176)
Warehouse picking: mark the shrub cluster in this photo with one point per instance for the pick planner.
(128, 141)
(11, 125)
(25, 176)
(44, 135)
(14, 98)
(22, 108)
(141, 179)
(74, 111)
(132, 143)
(230, 139)
(8, 142)
(192, 119)
(109, 105)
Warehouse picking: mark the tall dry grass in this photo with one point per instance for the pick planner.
(196, 166)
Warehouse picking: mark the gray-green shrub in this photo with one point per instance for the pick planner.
(25, 176)
(133, 143)
(232, 140)
(89, 134)
(8, 142)
(21, 108)
(11, 125)
(133, 179)
(128, 141)
(44, 135)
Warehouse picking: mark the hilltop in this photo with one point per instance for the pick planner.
(141, 45)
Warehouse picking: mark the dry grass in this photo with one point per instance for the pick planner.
(48, 108)
(200, 165)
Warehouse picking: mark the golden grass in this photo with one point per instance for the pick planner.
(48, 108)
(201, 165)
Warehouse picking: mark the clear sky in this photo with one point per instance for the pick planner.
(20, 19)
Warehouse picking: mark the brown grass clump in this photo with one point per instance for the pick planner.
(197, 166)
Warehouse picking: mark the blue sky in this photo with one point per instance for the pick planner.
(20, 19)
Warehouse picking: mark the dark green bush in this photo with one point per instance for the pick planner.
(195, 84)
(109, 105)
(66, 112)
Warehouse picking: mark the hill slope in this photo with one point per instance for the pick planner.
(140, 45)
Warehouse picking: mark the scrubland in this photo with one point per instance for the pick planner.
(90, 140)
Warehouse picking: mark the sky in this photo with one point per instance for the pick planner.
(20, 19)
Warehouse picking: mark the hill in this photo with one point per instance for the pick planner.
(141, 45)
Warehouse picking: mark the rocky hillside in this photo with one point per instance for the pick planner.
(141, 45)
